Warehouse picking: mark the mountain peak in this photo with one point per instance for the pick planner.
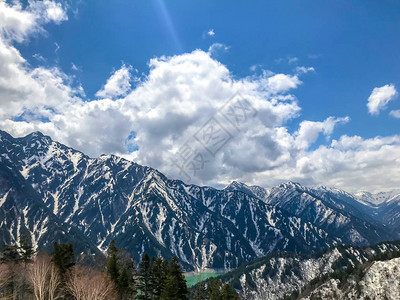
(36, 134)
(291, 184)
(235, 184)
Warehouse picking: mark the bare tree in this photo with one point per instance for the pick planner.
(5, 278)
(54, 283)
(75, 283)
(45, 279)
(12, 281)
(86, 284)
(38, 273)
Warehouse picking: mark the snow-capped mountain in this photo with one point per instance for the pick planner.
(284, 275)
(335, 211)
(112, 198)
(379, 198)
(384, 207)
(22, 211)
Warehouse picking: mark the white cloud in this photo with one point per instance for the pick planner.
(172, 103)
(216, 47)
(118, 84)
(75, 67)
(281, 83)
(211, 32)
(309, 130)
(16, 23)
(380, 97)
(23, 88)
(395, 114)
(50, 11)
(38, 57)
(303, 70)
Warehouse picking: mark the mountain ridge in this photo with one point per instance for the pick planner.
(143, 211)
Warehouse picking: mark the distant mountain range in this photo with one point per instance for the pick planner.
(57, 193)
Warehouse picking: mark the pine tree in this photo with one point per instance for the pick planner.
(26, 248)
(165, 268)
(63, 257)
(228, 293)
(200, 292)
(10, 253)
(214, 289)
(175, 270)
(124, 284)
(170, 291)
(159, 276)
(145, 285)
(127, 284)
(112, 262)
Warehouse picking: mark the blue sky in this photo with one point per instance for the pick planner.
(352, 48)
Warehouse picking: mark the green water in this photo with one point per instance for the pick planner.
(191, 280)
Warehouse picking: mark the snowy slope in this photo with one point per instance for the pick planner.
(379, 198)
(378, 280)
(335, 211)
(23, 212)
(282, 275)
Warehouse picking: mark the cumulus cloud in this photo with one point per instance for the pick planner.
(23, 88)
(176, 100)
(16, 23)
(118, 84)
(211, 32)
(380, 97)
(279, 83)
(309, 130)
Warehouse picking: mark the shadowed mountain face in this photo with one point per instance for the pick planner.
(109, 198)
(22, 211)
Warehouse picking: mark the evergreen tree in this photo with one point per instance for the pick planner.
(200, 292)
(26, 248)
(217, 291)
(159, 276)
(165, 268)
(127, 278)
(112, 262)
(228, 293)
(170, 291)
(145, 285)
(125, 287)
(175, 270)
(10, 253)
(214, 289)
(121, 271)
(63, 257)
